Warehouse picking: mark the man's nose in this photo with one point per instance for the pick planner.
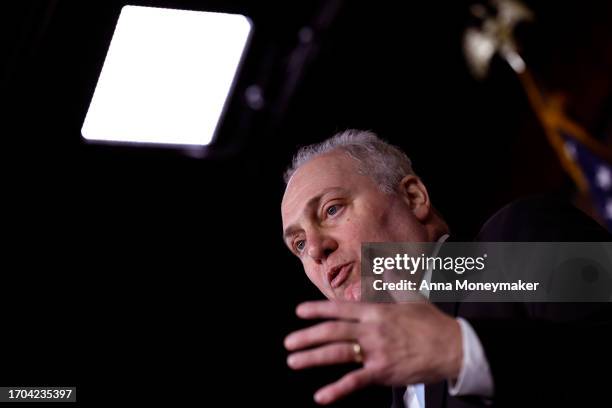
(321, 246)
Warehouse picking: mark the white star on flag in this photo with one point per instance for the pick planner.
(604, 178)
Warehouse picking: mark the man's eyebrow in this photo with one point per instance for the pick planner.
(292, 229)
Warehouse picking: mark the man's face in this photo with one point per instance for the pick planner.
(329, 209)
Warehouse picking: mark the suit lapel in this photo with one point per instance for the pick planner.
(435, 395)
(398, 397)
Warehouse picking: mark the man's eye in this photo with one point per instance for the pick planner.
(299, 245)
(332, 210)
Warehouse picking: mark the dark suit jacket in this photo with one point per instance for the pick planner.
(540, 354)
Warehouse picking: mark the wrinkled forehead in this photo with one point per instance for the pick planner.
(332, 170)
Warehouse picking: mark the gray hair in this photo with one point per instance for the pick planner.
(385, 163)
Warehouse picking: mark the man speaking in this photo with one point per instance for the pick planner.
(355, 188)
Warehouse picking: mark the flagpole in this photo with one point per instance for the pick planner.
(548, 116)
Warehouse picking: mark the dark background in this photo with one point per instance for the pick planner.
(146, 274)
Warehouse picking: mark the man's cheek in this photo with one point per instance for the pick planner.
(315, 276)
(353, 228)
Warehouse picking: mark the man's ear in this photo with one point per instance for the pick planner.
(414, 193)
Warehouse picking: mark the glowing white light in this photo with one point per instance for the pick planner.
(166, 76)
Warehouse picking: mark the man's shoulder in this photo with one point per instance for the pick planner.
(541, 218)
